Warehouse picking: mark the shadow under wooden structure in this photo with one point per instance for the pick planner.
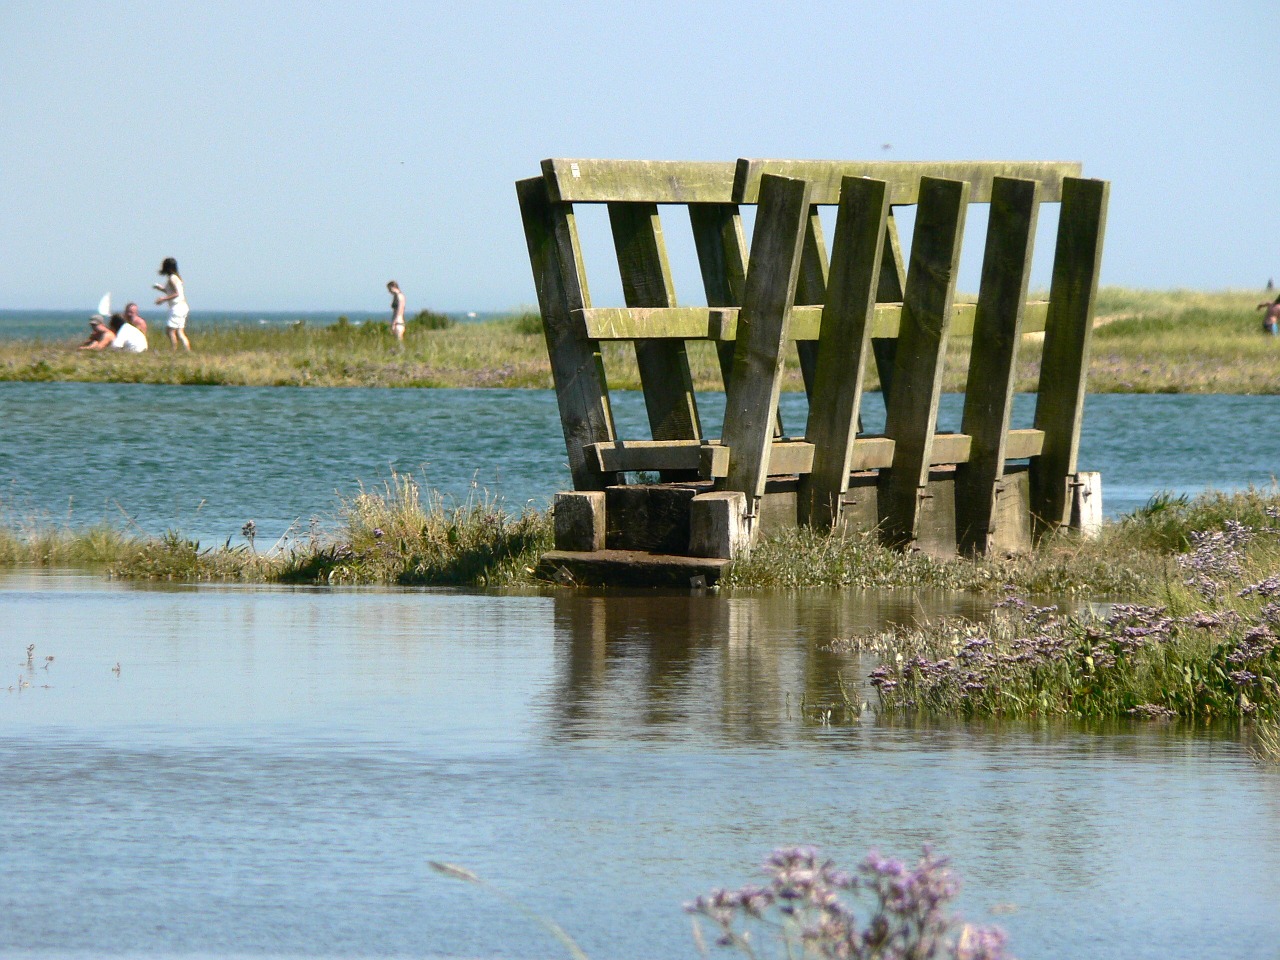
(986, 488)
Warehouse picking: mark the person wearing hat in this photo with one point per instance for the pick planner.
(119, 335)
(97, 330)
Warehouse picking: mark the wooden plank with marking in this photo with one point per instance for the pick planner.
(638, 181)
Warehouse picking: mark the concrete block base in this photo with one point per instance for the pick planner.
(579, 521)
(718, 525)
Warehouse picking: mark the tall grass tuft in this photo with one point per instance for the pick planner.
(391, 536)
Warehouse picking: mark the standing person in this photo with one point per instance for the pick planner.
(131, 316)
(1271, 320)
(174, 294)
(397, 310)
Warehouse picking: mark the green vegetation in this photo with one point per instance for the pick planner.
(1146, 342)
(399, 535)
(1199, 644)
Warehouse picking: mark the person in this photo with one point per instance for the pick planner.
(173, 292)
(131, 316)
(97, 331)
(397, 310)
(119, 336)
(1271, 319)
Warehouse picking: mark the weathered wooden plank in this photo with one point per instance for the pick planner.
(576, 366)
(922, 346)
(903, 177)
(646, 282)
(752, 395)
(722, 259)
(893, 274)
(842, 346)
(1065, 361)
(811, 289)
(997, 330)
(721, 323)
(638, 181)
(711, 458)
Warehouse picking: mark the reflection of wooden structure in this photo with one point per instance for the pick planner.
(985, 488)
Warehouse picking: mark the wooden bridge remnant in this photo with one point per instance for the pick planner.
(987, 488)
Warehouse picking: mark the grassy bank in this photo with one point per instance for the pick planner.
(399, 534)
(1200, 643)
(1146, 342)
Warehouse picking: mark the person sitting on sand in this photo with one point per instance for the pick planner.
(119, 336)
(1271, 319)
(131, 316)
(397, 310)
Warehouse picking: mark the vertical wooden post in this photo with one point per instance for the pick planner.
(811, 288)
(997, 330)
(892, 276)
(842, 346)
(576, 366)
(922, 346)
(752, 396)
(722, 258)
(1065, 362)
(646, 282)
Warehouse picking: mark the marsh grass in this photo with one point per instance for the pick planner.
(1202, 644)
(390, 535)
(1111, 565)
(387, 535)
(1146, 342)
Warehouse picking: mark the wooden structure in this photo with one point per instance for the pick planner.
(986, 488)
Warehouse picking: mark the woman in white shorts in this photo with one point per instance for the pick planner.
(173, 293)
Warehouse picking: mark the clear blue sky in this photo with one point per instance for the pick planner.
(298, 155)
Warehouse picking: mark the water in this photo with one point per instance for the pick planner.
(206, 459)
(271, 769)
(72, 325)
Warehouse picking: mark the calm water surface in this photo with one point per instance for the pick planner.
(206, 459)
(270, 771)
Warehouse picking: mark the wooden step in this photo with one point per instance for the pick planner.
(629, 568)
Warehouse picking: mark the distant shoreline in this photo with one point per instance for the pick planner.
(1144, 342)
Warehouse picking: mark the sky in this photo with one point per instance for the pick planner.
(299, 155)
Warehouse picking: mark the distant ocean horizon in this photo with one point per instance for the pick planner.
(58, 325)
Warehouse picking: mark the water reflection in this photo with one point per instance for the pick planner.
(274, 768)
(739, 668)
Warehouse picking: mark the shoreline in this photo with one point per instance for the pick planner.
(1143, 342)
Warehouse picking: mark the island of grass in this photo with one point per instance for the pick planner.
(1145, 342)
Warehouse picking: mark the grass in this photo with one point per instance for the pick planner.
(399, 534)
(1199, 644)
(1146, 342)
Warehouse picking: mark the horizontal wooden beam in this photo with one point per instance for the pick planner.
(903, 177)
(711, 458)
(639, 181)
(721, 323)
